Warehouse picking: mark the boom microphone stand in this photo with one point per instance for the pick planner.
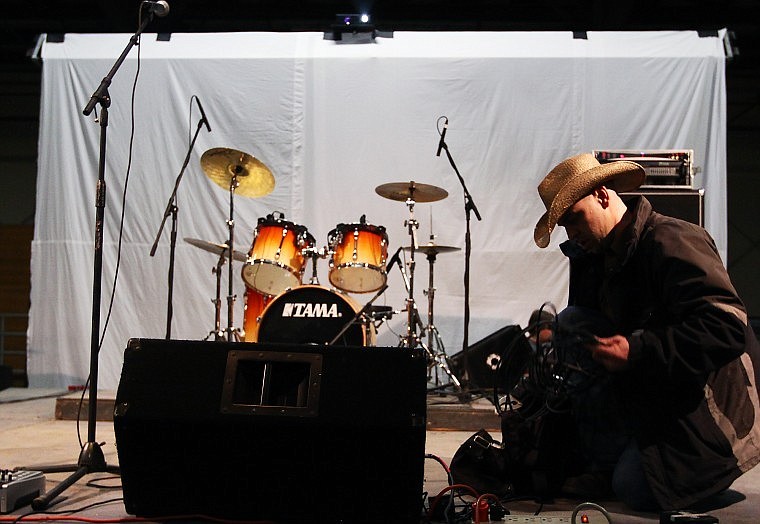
(469, 206)
(171, 210)
(91, 459)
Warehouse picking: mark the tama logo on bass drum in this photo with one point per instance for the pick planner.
(308, 310)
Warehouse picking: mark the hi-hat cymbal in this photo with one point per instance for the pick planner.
(432, 249)
(217, 249)
(403, 191)
(253, 178)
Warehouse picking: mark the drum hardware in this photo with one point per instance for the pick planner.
(217, 332)
(411, 193)
(222, 250)
(314, 254)
(411, 308)
(380, 312)
(237, 172)
(435, 347)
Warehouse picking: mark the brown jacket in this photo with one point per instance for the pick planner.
(692, 382)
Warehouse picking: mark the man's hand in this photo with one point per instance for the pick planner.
(610, 352)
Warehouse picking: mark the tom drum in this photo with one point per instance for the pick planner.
(358, 258)
(276, 262)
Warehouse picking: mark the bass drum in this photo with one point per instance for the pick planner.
(255, 303)
(313, 315)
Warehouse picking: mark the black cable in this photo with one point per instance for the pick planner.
(69, 511)
(92, 483)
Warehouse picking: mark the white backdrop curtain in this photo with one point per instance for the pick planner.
(332, 122)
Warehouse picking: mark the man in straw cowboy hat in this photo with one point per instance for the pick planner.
(673, 418)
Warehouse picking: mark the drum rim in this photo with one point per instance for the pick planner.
(297, 229)
(259, 261)
(334, 270)
(360, 226)
(297, 277)
(364, 265)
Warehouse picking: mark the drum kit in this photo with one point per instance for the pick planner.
(281, 307)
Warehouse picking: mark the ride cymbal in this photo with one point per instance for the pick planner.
(217, 249)
(253, 178)
(403, 191)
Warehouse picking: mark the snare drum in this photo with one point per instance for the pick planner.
(276, 262)
(255, 303)
(358, 258)
(312, 315)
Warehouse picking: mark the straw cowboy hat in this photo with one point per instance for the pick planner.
(573, 179)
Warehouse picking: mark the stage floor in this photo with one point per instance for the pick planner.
(32, 436)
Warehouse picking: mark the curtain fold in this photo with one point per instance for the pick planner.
(332, 122)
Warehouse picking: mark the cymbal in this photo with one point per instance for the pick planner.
(253, 178)
(217, 249)
(403, 191)
(432, 249)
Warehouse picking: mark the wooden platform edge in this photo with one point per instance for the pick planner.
(445, 417)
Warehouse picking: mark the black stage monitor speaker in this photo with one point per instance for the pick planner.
(483, 356)
(686, 204)
(287, 433)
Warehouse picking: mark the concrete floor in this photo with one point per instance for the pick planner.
(31, 436)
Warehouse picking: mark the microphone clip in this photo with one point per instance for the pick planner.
(442, 141)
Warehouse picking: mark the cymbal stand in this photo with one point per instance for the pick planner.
(231, 332)
(314, 254)
(411, 340)
(435, 347)
(217, 270)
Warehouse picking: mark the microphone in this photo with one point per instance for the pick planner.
(159, 8)
(443, 136)
(200, 106)
(394, 259)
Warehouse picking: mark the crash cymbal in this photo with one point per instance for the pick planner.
(433, 249)
(403, 191)
(254, 179)
(217, 249)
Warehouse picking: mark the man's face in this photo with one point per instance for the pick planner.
(586, 222)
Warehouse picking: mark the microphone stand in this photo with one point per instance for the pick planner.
(91, 458)
(357, 315)
(171, 210)
(469, 206)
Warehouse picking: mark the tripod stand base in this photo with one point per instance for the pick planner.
(91, 460)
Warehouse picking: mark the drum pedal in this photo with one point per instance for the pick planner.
(19, 488)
